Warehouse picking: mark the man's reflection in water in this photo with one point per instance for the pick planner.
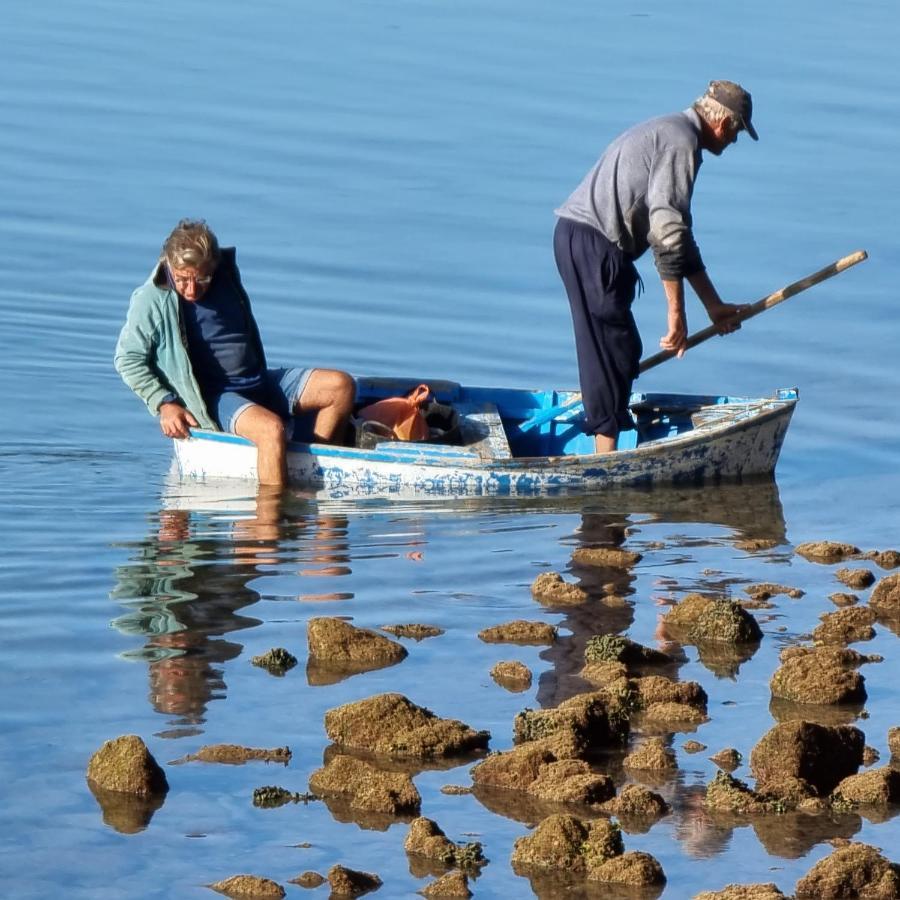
(187, 582)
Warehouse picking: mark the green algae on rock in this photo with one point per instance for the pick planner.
(726, 793)
(826, 551)
(591, 720)
(857, 870)
(249, 887)
(125, 765)
(365, 787)
(513, 675)
(426, 838)
(519, 631)
(820, 755)
(617, 648)
(413, 630)
(610, 557)
(766, 891)
(453, 884)
(550, 588)
(271, 797)
(276, 661)
(698, 619)
(236, 755)
(636, 806)
(351, 883)
(393, 725)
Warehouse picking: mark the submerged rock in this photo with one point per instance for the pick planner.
(610, 557)
(393, 725)
(767, 891)
(249, 887)
(425, 838)
(236, 755)
(767, 589)
(818, 675)
(125, 765)
(820, 755)
(727, 760)
(308, 880)
(845, 626)
(513, 675)
(858, 579)
(276, 661)
(519, 631)
(693, 747)
(550, 588)
(453, 884)
(365, 787)
(856, 870)
(840, 598)
(591, 850)
(826, 551)
(271, 797)
(350, 883)
(412, 630)
(885, 596)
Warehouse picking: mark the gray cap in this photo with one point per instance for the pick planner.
(735, 99)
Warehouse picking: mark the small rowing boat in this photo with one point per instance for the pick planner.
(523, 442)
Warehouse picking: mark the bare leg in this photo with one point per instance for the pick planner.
(603, 443)
(266, 430)
(330, 394)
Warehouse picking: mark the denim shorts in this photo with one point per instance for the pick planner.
(279, 393)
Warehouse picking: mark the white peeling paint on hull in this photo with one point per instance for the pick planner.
(733, 441)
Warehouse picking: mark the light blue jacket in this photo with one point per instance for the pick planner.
(151, 353)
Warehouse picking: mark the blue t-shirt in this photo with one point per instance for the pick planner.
(222, 351)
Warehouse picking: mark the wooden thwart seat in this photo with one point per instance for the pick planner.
(482, 430)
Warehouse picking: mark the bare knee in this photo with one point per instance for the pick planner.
(261, 426)
(328, 388)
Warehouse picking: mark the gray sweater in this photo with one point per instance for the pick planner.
(639, 193)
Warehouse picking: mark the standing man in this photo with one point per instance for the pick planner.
(191, 350)
(638, 195)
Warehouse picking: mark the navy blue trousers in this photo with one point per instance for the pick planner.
(600, 281)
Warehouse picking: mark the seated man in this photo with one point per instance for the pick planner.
(191, 350)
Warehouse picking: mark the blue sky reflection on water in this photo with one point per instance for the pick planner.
(388, 172)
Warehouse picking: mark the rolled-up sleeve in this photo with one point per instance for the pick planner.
(671, 237)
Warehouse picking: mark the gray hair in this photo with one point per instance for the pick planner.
(191, 243)
(714, 112)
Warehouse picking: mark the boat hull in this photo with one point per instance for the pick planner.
(731, 440)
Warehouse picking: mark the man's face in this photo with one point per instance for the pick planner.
(191, 282)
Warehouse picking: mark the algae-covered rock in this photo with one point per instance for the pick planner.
(550, 588)
(885, 559)
(413, 630)
(856, 870)
(693, 747)
(351, 883)
(820, 755)
(894, 741)
(276, 661)
(249, 887)
(766, 589)
(607, 675)
(588, 720)
(826, 551)
(616, 648)
(724, 621)
(845, 626)
(878, 787)
(453, 884)
(666, 718)
(767, 891)
(519, 631)
(821, 676)
(870, 756)
(393, 725)
(728, 794)
(366, 787)
(654, 755)
(236, 755)
(336, 642)
(841, 598)
(126, 766)
(652, 689)
(634, 868)
(858, 579)
(610, 557)
(635, 803)
(728, 759)
(513, 675)
(308, 879)
(885, 596)
(271, 797)
(425, 838)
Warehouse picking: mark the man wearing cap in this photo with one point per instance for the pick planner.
(638, 195)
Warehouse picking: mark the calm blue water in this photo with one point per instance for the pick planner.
(388, 172)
